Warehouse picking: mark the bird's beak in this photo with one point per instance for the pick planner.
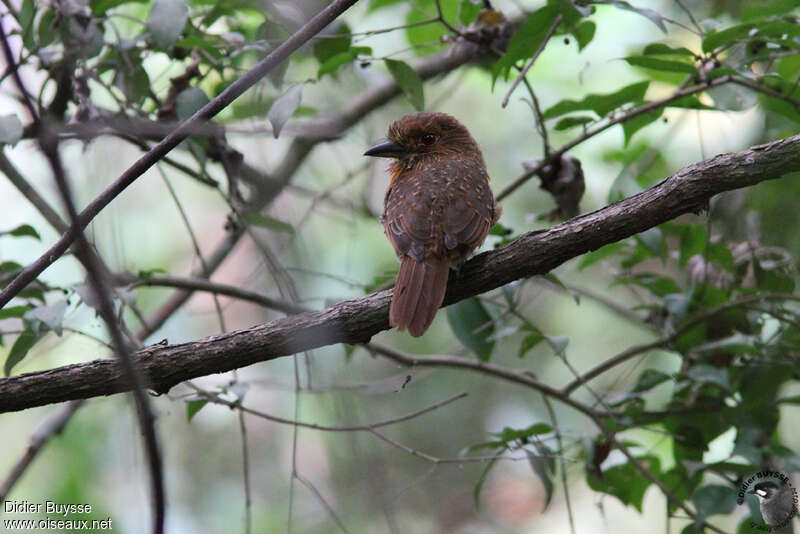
(389, 149)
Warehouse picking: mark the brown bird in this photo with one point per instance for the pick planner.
(437, 209)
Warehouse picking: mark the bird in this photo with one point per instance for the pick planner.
(438, 208)
(776, 503)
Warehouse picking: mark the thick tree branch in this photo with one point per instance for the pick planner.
(357, 320)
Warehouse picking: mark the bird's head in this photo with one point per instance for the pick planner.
(765, 491)
(425, 133)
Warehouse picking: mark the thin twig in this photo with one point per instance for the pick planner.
(524, 71)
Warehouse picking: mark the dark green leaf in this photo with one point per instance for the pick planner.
(661, 49)
(332, 44)
(649, 379)
(192, 407)
(284, 107)
(584, 33)
(713, 499)
(10, 312)
(473, 326)
(189, 101)
(408, 80)
(332, 64)
(528, 342)
(10, 129)
(265, 221)
(708, 374)
(166, 21)
(625, 482)
(23, 230)
(526, 40)
(20, 349)
(570, 122)
(544, 467)
(600, 103)
(633, 125)
(476, 493)
(665, 65)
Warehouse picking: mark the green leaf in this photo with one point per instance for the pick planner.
(99, 7)
(633, 125)
(189, 101)
(472, 325)
(476, 493)
(408, 80)
(13, 312)
(427, 38)
(192, 407)
(584, 33)
(526, 40)
(625, 482)
(649, 379)
(713, 499)
(665, 65)
(544, 466)
(284, 107)
(653, 16)
(166, 21)
(332, 44)
(20, 349)
(600, 254)
(23, 230)
(469, 11)
(265, 221)
(333, 63)
(374, 5)
(570, 122)
(600, 103)
(661, 49)
(708, 374)
(10, 129)
(528, 342)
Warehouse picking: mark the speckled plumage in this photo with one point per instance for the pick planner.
(437, 209)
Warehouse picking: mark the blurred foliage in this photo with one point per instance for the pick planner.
(723, 302)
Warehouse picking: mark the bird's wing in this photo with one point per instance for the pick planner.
(407, 218)
(469, 213)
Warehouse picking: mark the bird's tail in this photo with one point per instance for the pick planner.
(418, 293)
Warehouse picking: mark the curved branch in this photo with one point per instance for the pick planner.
(357, 320)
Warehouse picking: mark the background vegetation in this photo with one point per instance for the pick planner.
(671, 354)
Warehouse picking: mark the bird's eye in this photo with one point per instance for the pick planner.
(428, 139)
